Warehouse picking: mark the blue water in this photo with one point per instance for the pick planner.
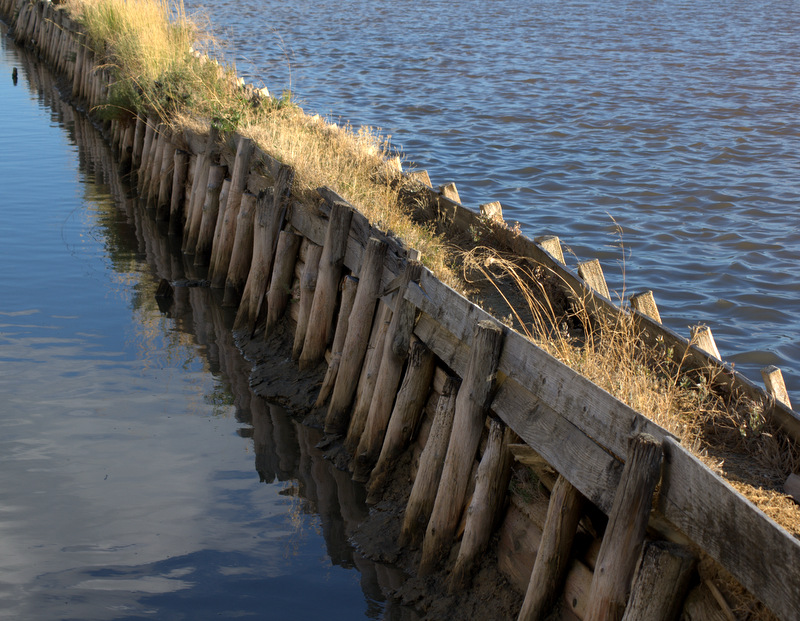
(678, 121)
(139, 477)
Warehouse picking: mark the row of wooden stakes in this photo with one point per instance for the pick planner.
(243, 226)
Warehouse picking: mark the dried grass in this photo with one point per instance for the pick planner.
(727, 433)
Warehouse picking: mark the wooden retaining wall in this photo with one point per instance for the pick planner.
(406, 352)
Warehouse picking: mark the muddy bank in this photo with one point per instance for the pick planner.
(276, 378)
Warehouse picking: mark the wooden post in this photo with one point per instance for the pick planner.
(488, 500)
(552, 244)
(492, 211)
(242, 253)
(270, 211)
(773, 382)
(410, 402)
(126, 149)
(194, 209)
(145, 161)
(138, 142)
(703, 339)
(349, 290)
(592, 273)
(472, 405)
(201, 245)
(226, 223)
(552, 557)
(165, 182)
(449, 190)
(357, 340)
(180, 174)
(153, 183)
(366, 382)
(662, 578)
(282, 275)
(645, 303)
(423, 492)
(395, 352)
(308, 283)
(330, 271)
(625, 532)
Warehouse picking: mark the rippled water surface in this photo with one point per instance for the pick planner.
(139, 476)
(677, 121)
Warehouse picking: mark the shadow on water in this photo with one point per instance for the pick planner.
(283, 450)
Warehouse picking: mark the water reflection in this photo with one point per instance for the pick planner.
(141, 477)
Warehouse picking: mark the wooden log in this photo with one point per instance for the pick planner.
(776, 388)
(330, 272)
(366, 382)
(225, 232)
(270, 212)
(208, 218)
(552, 558)
(395, 352)
(662, 578)
(423, 492)
(492, 211)
(592, 273)
(308, 283)
(408, 407)
(180, 174)
(282, 275)
(627, 524)
(449, 190)
(645, 303)
(472, 405)
(357, 340)
(702, 338)
(194, 210)
(165, 181)
(144, 164)
(154, 176)
(349, 291)
(126, 149)
(138, 142)
(242, 253)
(488, 499)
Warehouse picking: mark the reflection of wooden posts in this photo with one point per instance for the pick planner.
(282, 275)
(208, 219)
(472, 406)
(262, 439)
(308, 283)
(357, 340)
(624, 535)
(180, 174)
(242, 253)
(408, 407)
(423, 493)
(349, 289)
(330, 272)
(366, 381)
(395, 352)
(552, 557)
(286, 445)
(662, 577)
(270, 211)
(488, 499)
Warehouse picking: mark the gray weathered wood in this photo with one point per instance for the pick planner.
(201, 244)
(242, 253)
(472, 406)
(349, 292)
(662, 578)
(180, 172)
(282, 275)
(308, 283)
(552, 558)
(624, 536)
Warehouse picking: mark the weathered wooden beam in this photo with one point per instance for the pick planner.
(472, 404)
(661, 581)
(282, 275)
(308, 283)
(624, 536)
(242, 252)
(552, 558)
(330, 272)
(349, 292)
(201, 244)
(776, 387)
(645, 303)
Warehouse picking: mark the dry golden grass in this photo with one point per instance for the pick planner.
(729, 434)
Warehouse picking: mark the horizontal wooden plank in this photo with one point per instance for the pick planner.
(755, 550)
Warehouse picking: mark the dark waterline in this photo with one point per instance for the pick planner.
(140, 476)
(678, 120)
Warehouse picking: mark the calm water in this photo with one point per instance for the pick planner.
(679, 121)
(139, 477)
